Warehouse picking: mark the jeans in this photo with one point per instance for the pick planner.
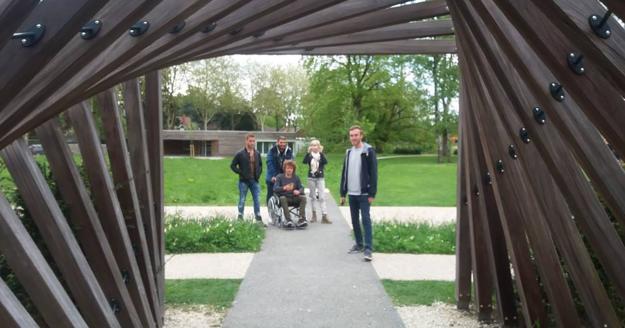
(254, 187)
(314, 185)
(360, 205)
(269, 190)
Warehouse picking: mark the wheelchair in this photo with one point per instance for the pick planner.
(278, 219)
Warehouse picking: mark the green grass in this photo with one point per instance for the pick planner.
(211, 235)
(215, 292)
(407, 181)
(414, 238)
(422, 292)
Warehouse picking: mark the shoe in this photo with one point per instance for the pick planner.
(288, 223)
(240, 217)
(260, 222)
(314, 217)
(325, 220)
(302, 223)
(355, 249)
(368, 256)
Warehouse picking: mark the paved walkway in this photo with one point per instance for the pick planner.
(235, 266)
(307, 279)
(434, 215)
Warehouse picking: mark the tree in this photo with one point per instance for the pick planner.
(441, 73)
(172, 102)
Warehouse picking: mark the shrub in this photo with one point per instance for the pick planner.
(415, 238)
(211, 235)
(407, 151)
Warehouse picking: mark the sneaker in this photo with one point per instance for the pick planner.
(240, 217)
(368, 256)
(302, 223)
(355, 249)
(260, 222)
(288, 223)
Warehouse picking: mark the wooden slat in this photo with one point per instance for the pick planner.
(34, 273)
(127, 195)
(342, 11)
(564, 231)
(154, 125)
(83, 216)
(371, 20)
(74, 57)
(73, 91)
(62, 20)
(231, 22)
(596, 95)
(12, 312)
(139, 161)
(582, 200)
(392, 33)
(275, 18)
(12, 13)
(108, 207)
(57, 235)
(463, 250)
(379, 48)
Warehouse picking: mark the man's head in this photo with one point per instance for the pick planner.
(289, 167)
(355, 135)
(281, 142)
(250, 141)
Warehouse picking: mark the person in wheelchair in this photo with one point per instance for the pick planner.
(290, 191)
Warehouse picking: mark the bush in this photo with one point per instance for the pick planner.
(414, 238)
(211, 235)
(407, 151)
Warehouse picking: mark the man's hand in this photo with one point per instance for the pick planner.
(342, 201)
(370, 199)
(296, 192)
(273, 179)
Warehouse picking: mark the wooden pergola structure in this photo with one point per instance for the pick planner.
(539, 191)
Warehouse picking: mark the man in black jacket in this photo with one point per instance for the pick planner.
(248, 165)
(359, 179)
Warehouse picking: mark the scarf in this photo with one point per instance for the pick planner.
(314, 162)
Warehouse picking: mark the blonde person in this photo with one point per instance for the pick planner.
(316, 161)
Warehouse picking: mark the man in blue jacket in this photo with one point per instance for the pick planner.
(359, 180)
(276, 156)
(248, 165)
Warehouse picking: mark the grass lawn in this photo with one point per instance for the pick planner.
(407, 181)
(421, 292)
(215, 292)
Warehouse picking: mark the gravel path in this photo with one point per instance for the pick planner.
(438, 315)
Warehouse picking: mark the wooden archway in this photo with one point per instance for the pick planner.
(541, 196)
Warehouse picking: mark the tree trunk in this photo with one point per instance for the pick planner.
(445, 145)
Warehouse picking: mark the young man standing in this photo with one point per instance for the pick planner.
(359, 180)
(247, 164)
(276, 156)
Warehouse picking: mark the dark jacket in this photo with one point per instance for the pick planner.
(241, 165)
(275, 160)
(368, 172)
(281, 182)
(322, 163)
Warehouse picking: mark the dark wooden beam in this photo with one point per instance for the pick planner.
(405, 31)
(108, 207)
(58, 236)
(12, 312)
(378, 48)
(123, 178)
(12, 14)
(84, 218)
(34, 273)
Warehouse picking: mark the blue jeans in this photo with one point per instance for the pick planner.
(360, 205)
(254, 187)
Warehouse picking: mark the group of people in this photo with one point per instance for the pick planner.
(359, 178)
